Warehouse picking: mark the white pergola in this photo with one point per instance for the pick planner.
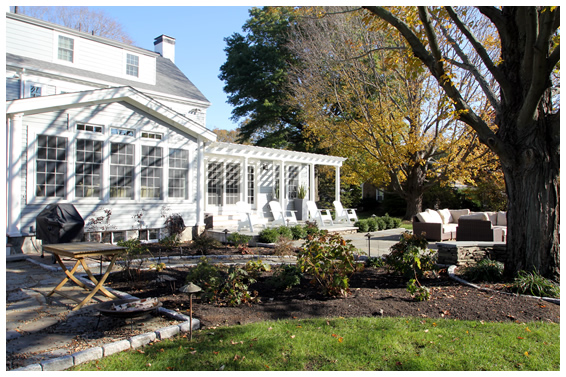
(278, 157)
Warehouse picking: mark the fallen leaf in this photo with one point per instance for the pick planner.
(526, 353)
(340, 339)
(528, 329)
(270, 328)
(140, 351)
(520, 337)
(292, 336)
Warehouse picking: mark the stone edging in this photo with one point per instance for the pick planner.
(462, 281)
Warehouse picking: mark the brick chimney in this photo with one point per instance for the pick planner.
(165, 46)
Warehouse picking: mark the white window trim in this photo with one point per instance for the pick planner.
(125, 66)
(76, 49)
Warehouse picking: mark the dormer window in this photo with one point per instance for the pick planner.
(66, 48)
(132, 65)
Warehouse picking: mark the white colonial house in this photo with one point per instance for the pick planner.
(113, 128)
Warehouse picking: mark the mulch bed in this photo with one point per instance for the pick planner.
(374, 292)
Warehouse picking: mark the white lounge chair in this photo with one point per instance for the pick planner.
(320, 215)
(247, 218)
(281, 216)
(344, 214)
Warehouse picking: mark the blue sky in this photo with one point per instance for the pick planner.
(199, 32)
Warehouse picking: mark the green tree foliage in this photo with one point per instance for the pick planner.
(255, 73)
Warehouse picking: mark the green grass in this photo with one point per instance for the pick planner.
(392, 344)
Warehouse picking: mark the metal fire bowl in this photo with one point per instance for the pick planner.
(105, 308)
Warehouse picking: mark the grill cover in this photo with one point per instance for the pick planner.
(59, 223)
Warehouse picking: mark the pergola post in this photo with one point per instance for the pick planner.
(312, 183)
(337, 187)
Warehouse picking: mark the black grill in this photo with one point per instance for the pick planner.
(59, 223)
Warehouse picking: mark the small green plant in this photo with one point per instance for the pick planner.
(302, 192)
(170, 242)
(158, 267)
(238, 239)
(299, 232)
(285, 277)
(381, 224)
(269, 235)
(375, 262)
(485, 270)
(255, 268)
(233, 291)
(134, 250)
(329, 259)
(204, 243)
(531, 283)
(207, 276)
(411, 258)
(312, 228)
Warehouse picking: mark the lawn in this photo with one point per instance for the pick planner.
(391, 344)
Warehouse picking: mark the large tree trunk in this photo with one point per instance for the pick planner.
(533, 189)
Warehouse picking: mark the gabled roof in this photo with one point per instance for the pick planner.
(170, 80)
(262, 153)
(126, 94)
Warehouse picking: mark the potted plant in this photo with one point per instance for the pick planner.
(301, 203)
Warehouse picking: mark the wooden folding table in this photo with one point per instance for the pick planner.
(80, 251)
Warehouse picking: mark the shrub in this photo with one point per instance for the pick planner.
(285, 277)
(174, 224)
(486, 270)
(299, 232)
(204, 243)
(329, 259)
(269, 235)
(362, 226)
(531, 283)
(220, 285)
(372, 224)
(238, 239)
(381, 224)
(285, 232)
(411, 258)
(284, 247)
(312, 228)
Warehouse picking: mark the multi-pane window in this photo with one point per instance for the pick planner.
(178, 173)
(292, 181)
(251, 185)
(214, 184)
(66, 48)
(232, 183)
(132, 65)
(35, 91)
(89, 128)
(121, 132)
(88, 167)
(151, 135)
(121, 170)
(51, 166)
(151, 171)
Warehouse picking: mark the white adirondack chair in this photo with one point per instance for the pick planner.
(281, 216)
(247, 218)
(320, 215)
(344, 214)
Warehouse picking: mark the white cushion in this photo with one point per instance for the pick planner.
(445, 215)
(476, 216)
(435, 217)
(456, 213)
(449, 228)
(424, 217)
(502, 218)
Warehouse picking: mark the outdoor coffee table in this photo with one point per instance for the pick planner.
(80, 251)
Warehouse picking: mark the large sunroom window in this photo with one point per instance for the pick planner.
(178, 173)
(51, 166)
(121, 170)
(151, 171)
(88, 168)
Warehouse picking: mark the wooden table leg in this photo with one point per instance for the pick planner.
(99, 284)
(70, 275)
(96, 282)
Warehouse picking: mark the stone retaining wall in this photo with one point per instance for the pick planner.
(469, 253)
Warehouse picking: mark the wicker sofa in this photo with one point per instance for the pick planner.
(461, 225)
(482, 226)
(438, 225)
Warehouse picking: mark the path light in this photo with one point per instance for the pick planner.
(190, 289)
(226, 238)
(369, 244)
